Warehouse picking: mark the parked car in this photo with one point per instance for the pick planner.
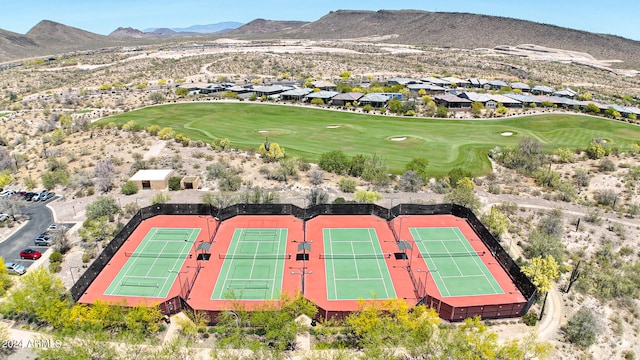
(4, 217)
(28, 196)
(43, 239)
(54, 227)
(30, 254)
(7, 193)
(49, 195)
(40, 196)
(13, 268)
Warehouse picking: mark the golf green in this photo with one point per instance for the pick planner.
(308, 132)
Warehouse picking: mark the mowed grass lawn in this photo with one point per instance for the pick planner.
(307, 132)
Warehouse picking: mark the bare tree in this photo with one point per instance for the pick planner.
(104, 172)
(316, 177)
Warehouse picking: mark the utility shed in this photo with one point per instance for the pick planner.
(152, 179)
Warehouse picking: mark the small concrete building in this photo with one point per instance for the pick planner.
(152, 179)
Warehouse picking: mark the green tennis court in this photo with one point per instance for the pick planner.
(253, 266)
(153, 267)
(355, 265)
(455, 266)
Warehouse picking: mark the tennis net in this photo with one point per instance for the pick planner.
(254, 256)
(355, 256)
(452, 254)
(155, 255)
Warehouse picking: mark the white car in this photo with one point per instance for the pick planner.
(7, 193)
(4, 217)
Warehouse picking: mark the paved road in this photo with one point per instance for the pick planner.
(40, 218)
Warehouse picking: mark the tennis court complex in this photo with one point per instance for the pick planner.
(153, 267)
(253, 266)
(457, 269)
(355, 265)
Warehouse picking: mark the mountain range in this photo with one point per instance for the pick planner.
(431, 29)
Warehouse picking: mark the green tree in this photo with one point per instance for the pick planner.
(345, 75)
(174, 183)
(334, 161)
(442, 112)
(457, 174)
(129, 188)
(543, 271)
(156, 97)
(496, 221)
(42, 294)
(419, 165)
(275, 152)
(542, 244)
(368, 108)
(592, 108)
(52, 178)
(181, 92)
(316, 101)
(583, 327)
(395, 106)
(5, 178)
(597, 149)
(476, 108)
(103, 206)
(463, 195)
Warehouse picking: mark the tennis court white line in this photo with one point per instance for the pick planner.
(356, 279)
(475, 261)
(355, 263)
(333, 268)
(375, 248)
(146, 277)
(460, 276)
(275, 269)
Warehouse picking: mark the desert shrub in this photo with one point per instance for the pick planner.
(160, 198)
(129, 188)
(530, 318)
(347, 185)
(606, 197)
(366, 196)
(317, 196)
(334, 161)
(410, 181)
(582, 328)
(316, 177)
(55, 257)
(606, 165)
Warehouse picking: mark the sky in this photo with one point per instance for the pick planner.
(617, 17)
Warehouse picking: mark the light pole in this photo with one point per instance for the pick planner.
(71, 272)
(179, 278)
(302, 272)
(208, 229)
(426, 277)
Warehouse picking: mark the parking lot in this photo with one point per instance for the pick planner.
(40, 218)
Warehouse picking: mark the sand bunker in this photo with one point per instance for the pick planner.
(333, 126)
(507, 133)
(402, 138)
(263, 131)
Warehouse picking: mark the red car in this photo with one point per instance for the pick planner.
(30, 254)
